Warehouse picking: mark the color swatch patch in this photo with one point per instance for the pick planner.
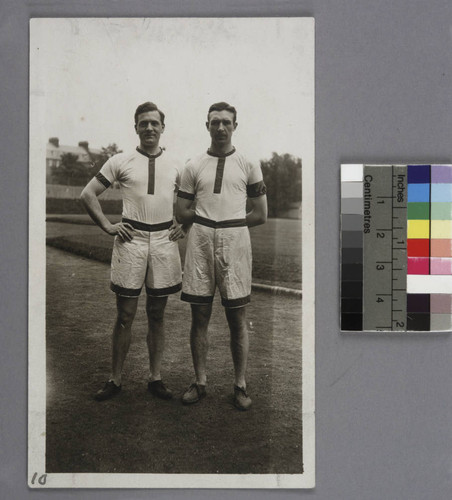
(396, 247)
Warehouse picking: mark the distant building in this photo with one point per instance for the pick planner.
(54, 151)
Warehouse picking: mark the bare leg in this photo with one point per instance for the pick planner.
(122, 334)
(239, 342)
(200, 315)
(155, 308)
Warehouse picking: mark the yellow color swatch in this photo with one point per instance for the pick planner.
(442, 229)
(418, 228)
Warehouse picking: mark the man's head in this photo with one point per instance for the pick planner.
(223, 106)
(149, 125)
(221, 123)
(149, 106)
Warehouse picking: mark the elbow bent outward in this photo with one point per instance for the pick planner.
(262, 219)
(84, 198)
(90, 193)
(89, 199)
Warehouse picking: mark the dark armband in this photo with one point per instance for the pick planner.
(187, 196)
(103, 180)
(257, 189)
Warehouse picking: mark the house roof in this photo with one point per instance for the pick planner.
(53, 152)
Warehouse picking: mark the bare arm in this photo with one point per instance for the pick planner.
(184, 211)
(89, 199)
(258, 213)
(178, 231)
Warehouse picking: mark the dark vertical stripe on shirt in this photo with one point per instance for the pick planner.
(151, 176)
(219, 175)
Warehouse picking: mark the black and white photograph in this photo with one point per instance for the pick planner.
(171, 243)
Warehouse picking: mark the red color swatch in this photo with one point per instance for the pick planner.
(418, 247)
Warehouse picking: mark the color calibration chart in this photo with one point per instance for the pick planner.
(396, 248)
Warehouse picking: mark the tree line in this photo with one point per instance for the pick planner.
(282, 176)
(72, 172)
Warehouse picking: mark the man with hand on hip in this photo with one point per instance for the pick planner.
(145, 250)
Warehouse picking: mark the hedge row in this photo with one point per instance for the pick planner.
(83, 249)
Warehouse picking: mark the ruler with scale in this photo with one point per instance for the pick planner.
(384, 248)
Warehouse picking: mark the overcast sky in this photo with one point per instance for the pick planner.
(89, 75)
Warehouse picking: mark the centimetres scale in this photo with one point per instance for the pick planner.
(385, 248)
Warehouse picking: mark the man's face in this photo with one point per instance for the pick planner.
(221, 126)
(149, 128)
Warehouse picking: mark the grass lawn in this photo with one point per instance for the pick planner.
(136, 433)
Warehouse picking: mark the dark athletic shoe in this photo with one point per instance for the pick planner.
(194, 394)
(241, 399)
(157, 388)
(110, 389)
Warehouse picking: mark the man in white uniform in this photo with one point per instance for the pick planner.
(214, 190)
(145, 250)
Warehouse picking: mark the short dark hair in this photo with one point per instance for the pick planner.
(149, 106)
(222, 106)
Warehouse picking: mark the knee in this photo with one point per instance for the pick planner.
(125, 318)
(235, 325)
(155, 314)
(236, 320)
(200, 319)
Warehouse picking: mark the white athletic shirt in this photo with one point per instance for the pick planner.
(147, 183)
(221, 184)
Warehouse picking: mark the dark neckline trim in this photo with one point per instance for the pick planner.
(218, 155)
(147, 154)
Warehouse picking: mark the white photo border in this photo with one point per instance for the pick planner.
(37, 476)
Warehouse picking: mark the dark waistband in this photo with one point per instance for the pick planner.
(142, 226)
(219, 224)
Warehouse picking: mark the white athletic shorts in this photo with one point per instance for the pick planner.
(150, 259)
(217, 256)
